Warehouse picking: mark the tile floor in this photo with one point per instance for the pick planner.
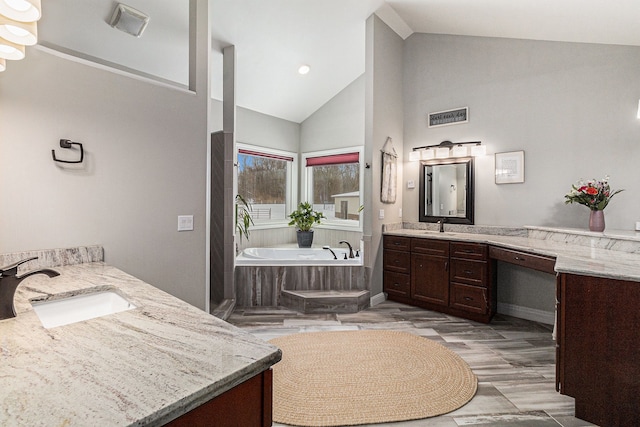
(514, 359)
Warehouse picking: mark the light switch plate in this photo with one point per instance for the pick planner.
(411, 184)
(381, 214)
(185, 222)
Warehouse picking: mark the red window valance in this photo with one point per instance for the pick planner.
(334, 159)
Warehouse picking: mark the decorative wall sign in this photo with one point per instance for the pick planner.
(510, 167)
(449, 117)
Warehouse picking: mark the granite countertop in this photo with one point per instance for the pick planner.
(583, 253)
(144, 366)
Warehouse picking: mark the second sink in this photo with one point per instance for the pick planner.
(77, 308)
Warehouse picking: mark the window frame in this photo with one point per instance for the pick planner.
(306, 183)
(291, 189)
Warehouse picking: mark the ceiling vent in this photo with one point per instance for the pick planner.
(129, 20)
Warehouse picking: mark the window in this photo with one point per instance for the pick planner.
(333, 185)
(265, 181)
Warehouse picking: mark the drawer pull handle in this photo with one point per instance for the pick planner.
(468, 272)
(469, 251)
(517, 258)
(468, 299)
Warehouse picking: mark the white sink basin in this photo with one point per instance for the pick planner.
(77, 308)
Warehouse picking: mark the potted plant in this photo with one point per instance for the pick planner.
(304, 218)
(243, 217)
(595, 195)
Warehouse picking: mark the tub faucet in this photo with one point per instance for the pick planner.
(9, 281)
(350, 248)
(330, 250)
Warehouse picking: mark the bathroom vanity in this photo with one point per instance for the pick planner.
(598, 295)
(163, 362)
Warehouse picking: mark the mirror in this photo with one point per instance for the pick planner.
(446, 190)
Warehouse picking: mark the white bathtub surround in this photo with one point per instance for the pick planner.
(143, 366)
(290, 255)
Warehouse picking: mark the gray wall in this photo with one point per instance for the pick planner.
(145, 165)
(383, 118)
(338, 123)
(571, 107)
(267, 131)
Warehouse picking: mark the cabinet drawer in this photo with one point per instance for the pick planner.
(469, 272)
(430, 247)
(536, 262)
(469, 298)
(397, 261)
(477, 251)
(397, 243)
(397, 283)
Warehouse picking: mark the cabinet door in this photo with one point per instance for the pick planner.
(430, 279)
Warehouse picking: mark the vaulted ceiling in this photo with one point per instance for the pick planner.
(274, 37)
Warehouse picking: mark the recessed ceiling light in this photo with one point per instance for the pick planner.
(304, 69)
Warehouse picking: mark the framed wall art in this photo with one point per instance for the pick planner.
(510, 167)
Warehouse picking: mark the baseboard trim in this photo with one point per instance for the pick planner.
(546, 317)
(377, 299)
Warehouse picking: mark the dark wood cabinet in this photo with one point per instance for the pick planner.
(598, 348)
(248, 404)
(451, 277)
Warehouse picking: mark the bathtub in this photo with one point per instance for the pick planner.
(296, 256)
(261, 274)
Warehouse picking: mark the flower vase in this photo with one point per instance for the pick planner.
(596, 220)
(305, 238)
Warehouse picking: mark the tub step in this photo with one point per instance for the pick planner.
(309, 302)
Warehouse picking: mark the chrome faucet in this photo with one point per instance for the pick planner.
(350, 248)
(441, 224)
(9, 281)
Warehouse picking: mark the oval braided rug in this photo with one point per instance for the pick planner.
(360, 377)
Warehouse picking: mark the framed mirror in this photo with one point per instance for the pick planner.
(446, 190)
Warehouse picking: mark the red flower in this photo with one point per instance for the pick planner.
(592, 191)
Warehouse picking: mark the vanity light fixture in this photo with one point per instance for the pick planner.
(25, 33)
(459, 150)
(304, 69)
(18, 28)
(21, 10)
(448, 149)
(428, 154)
(414, 156)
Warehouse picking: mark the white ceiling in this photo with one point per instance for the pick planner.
(273, 37)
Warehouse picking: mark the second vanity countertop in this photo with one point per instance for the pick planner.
(571, 257)
(143, 366)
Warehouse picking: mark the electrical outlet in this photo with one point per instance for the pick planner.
(637, 225)
(411, 184)
(185, 222)
(381, 214)
(400, 212)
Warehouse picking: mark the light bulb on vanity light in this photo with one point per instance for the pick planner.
(21, 10)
